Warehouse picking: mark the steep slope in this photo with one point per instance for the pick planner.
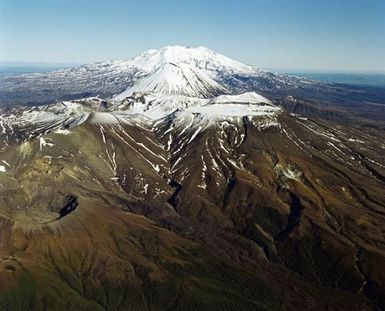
(172, 79)
(147, 202)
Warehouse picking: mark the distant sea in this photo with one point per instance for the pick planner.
(365, 79)
(348, 78)
(17, 69)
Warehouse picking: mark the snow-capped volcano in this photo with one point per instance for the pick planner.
(200, 58)
(180, 70)
(176, 84)
(198, 72)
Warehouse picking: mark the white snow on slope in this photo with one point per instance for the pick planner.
(53, 116)
(233, 110)
(158, 106)
(181, 70)
(201, 58)
(148, 109)
(174, 83)
(246, 104)
(113, 77)
(248, 97)
(176, 79)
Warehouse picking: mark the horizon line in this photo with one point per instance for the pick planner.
(271, 69)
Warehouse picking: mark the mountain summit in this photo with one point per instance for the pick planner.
(180, 70)
(175, 79)
(173, 70)
(200, 58)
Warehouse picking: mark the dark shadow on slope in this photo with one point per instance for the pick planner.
(293, 218)
(178, 187)
(70, 204)
(230, 187)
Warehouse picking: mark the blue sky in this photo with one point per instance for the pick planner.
(302, 34)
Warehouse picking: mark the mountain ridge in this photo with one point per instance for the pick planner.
(189, 199)
(350, 104)
(116, 76)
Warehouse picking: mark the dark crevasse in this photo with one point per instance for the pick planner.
(70, 204)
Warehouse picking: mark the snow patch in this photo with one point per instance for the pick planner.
(63, 132)
(194, 135)
(44, 143)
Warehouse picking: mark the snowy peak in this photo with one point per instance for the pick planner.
(176, 70)
(176, 79)
(199, 68)
(175, 83)
(201, 58)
